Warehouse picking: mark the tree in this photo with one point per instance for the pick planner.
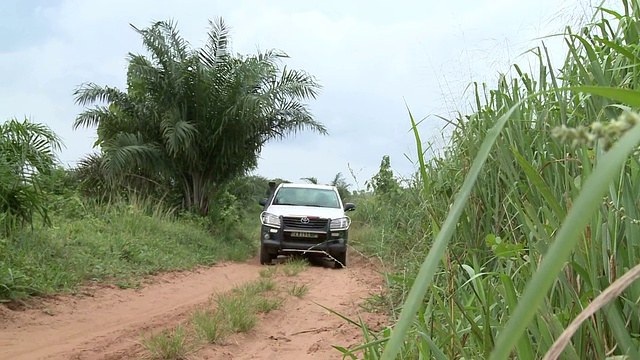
(341, 184)
(338, 181)
(383, 182)
(27, 152)
(197, 118)
(310, 180)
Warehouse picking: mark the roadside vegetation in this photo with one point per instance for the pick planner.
(168, 187)
(294, 266)
(110, 243)
(527, 220)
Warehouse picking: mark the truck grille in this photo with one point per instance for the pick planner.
(296, 223)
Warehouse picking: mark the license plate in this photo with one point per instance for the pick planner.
(304, 235)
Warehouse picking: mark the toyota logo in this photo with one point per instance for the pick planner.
(304, 220)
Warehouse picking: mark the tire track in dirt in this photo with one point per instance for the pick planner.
(301, 329)
(93, 327)
(108, 324)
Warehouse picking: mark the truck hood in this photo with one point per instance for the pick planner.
(287, 210)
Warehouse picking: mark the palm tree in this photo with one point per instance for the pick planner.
(338, 181)
(198, 117)
(310, 180)
(27, 152)
(342, 185)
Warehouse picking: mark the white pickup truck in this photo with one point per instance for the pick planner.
(306, 219)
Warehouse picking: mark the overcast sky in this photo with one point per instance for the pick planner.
(370, 57)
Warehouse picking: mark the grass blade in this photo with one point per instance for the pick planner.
(539, 183)
(437, 353)
(525, 351)
(567, 237)
(603, 299)
(629, 97)
(423, 169)
(430, 264)
(620, 331)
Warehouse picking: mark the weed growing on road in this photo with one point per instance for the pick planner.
(231, 312)
(238, 308)
(168, 344)
(267, 304)
(294, 266)
(257, 287)
(208, 325)
(268, 272)
(236, 312)
(299, 290)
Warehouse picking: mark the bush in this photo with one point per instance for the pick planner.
(26, 155)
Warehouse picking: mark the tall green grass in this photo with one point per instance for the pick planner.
(117, 243)
(504, 239)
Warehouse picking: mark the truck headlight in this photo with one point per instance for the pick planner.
(342, 223)
(269, 219)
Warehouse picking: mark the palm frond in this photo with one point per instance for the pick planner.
(28, 145)
(90, 93)
(129, 151)
(272, 56)
(178, 134)
(340, 182)
(310, 180)
(142, 74)
(179, 46)
(94, 117)
(27, 149)
(290, 117)
(298, 84)
(91, 173)
(217, 48)
(154, 40)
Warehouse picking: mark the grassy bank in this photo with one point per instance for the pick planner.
(525, 223)
(117, 243)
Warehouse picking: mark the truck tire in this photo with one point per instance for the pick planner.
(340, 260)
(265, 257)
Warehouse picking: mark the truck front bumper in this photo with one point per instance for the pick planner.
(282, 241)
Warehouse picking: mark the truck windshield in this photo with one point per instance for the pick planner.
(307, 197)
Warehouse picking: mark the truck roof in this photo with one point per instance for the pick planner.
(308, 186)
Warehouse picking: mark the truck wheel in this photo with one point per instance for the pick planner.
(265, 257)
(340, 260)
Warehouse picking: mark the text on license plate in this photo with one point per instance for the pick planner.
(304, 235)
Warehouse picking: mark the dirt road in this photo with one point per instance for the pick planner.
(107, 322)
